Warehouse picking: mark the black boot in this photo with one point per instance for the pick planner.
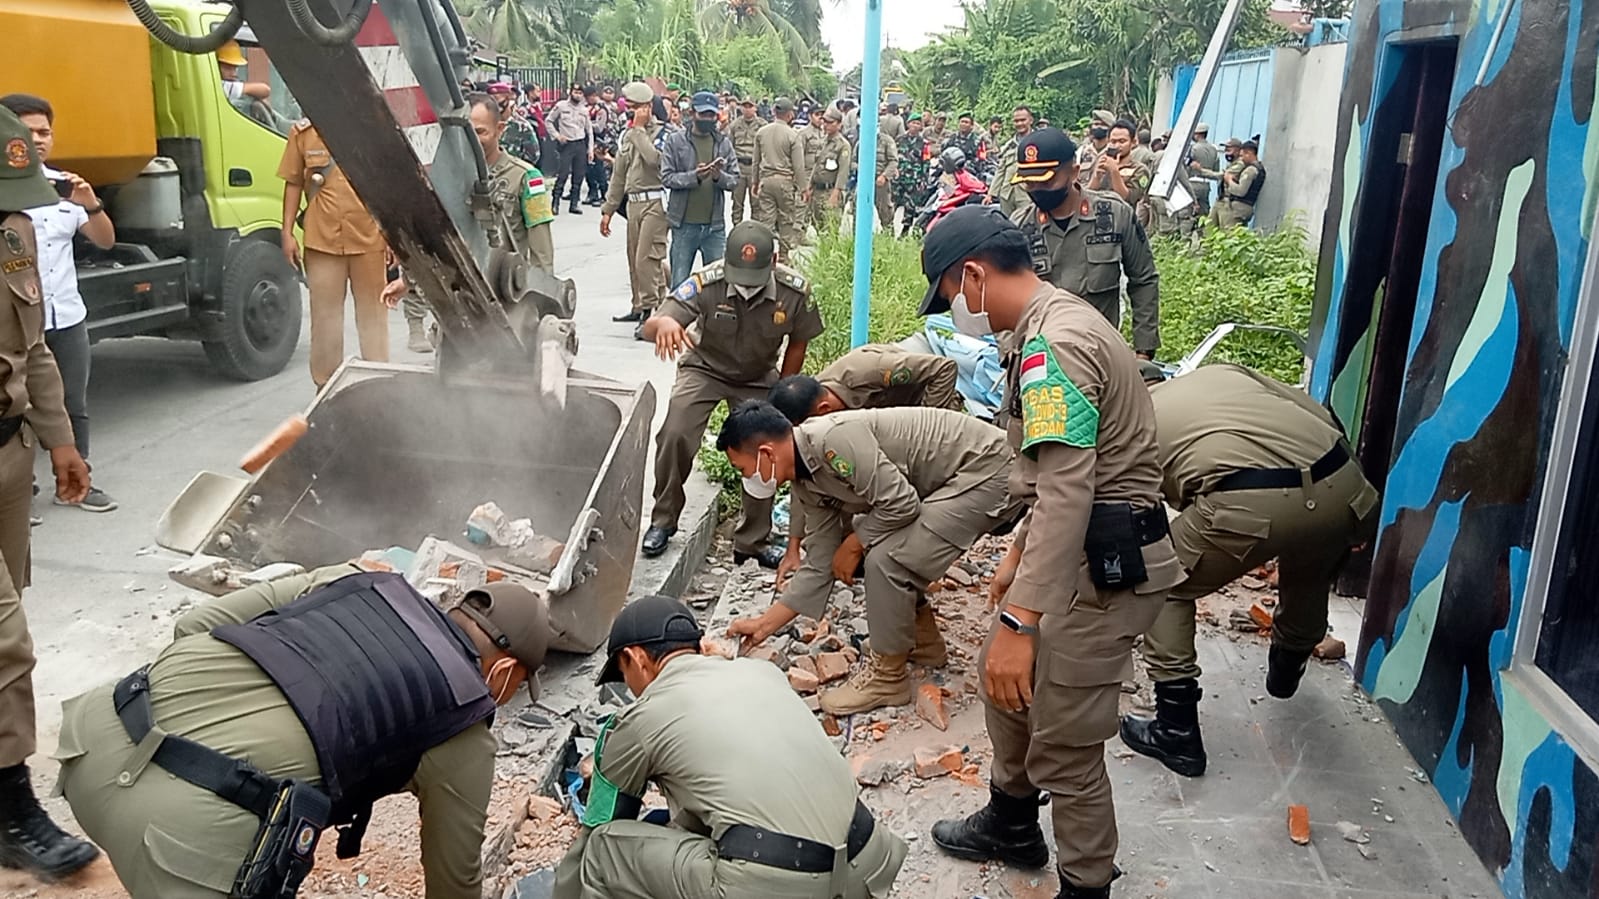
(1069, 890)
(1006, 829)
(1283, 671)
(29, 840)
(1172, 736)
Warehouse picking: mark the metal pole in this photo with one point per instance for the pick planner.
(866, 164)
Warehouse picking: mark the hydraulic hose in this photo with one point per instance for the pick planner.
(184, 43)
(343, 33)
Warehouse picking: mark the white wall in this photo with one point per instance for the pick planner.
(1302, 130)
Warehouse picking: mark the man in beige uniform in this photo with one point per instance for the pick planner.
(745, 311)
(343, 252)
(1083, 241)
(829, 155)
(887, 170)
(1004, 189)
(891, 123)
(636, 182)
(1098, 139)
(761, 802)
(742, 131)
(907, 491)
(1240, 187)
(31, 393)
(1259, 471)
(1094, 561)
(169, 838)
(779, 164)
(1119, 173)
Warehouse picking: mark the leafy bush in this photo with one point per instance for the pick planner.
(1237, 275)
(897, 288)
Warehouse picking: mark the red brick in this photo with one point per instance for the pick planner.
(831, 666)
(726, 647)
(935, 761)
(802, 681)
(830, 726)
(1299, 824)
(1262, 618)
(1330, 648)
(807, 665)
(930, 706)
(763, 653)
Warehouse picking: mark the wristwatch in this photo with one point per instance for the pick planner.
(1015, 624)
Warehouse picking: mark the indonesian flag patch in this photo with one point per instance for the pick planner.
(1054, 410)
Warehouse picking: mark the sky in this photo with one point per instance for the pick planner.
(906, 24)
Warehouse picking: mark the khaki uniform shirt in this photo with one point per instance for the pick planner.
(881, 375)
(1208, 155)
(739, 340)
(1136, 176)
(1010, 195)
(1087, 157)
(1084, 424)
(1244, 175)
(886, 466)
(830, 158)
(212, 693)
(638, 166)
(336, 221)
(1144, 155)
(1222, 419)
(887, 158)
(507, 178)
(30, 383)
(1089, 253)
(779, 152)
(742, 133)
(891, 125)
(729, 742)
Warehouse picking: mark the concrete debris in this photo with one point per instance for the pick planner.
(1239, 620)
(515, 540)
(543, 808)
(1330, 648)
(930, 761)
(1353, 832)
(831, 666)
(726, 647)
(873, 772)
(807, 664)
(208, 574)
(1416, 774)
(270, 573)
(930, 706)
(959, 575)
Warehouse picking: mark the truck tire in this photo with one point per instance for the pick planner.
(260, 326)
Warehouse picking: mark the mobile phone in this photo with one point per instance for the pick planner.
(63, 187)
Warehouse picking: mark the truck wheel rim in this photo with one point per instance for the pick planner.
(264, 314)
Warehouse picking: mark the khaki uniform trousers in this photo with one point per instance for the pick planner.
(1058, 744)
(635, 860)
(778, 208)
(819, 210)
(1225, 535)
(884, 198)
(695, 396)
(646, 253)
(900, 566)
(330, 278)
(17, 736)
(741, 195)
(1226, 213)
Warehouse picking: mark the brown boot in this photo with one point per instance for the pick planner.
(930, 651)
(882, 681)
(418, 341)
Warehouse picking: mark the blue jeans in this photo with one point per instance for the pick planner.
(709, 241)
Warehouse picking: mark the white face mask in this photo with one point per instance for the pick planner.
(747, 292)
(758, 486)
(502, 668)
(972, 324)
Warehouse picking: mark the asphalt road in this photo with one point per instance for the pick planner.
(101, 604)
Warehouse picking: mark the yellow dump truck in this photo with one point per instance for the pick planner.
(188, 175)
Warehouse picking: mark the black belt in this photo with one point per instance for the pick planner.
(9, 428)
(238, 782)
(744, 842)
(1283, 478)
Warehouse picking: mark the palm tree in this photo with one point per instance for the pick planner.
(723, 19)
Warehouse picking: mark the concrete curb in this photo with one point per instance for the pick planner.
(674, 569)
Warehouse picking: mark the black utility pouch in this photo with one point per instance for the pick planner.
(1115, 550)
(285, 846)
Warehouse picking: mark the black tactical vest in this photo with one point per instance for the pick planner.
(377, 674)
(1255, 186)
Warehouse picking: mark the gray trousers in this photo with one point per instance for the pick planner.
(71, 349)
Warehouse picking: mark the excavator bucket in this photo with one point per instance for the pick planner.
(393, 455)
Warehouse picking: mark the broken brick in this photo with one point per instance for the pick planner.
(879, 729)
(802, 681)
(813, 702)
(806, 629)
(959, 575)
(938, 761)
(930, 706)
(830, 726)
(1330, 648)
(831, 666)
(1261, 616)
(850, 653)
(719, 646)
(807, 665)
(971, 775)
(764, 654)
(827, 643)
(872, 772)
(543, 808)
(1299, 824)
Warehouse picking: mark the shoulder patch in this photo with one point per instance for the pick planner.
(790, 278)
(688, 290)
(841, 466)
(712, 273)
(1054, 410)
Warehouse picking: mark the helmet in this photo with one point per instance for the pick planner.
(230, 54)
(952, 160)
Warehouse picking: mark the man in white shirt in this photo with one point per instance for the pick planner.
(230, 59)
(65, 316)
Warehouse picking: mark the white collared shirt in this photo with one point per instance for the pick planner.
(54, 226)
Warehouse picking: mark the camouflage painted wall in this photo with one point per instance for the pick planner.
(1507, 237)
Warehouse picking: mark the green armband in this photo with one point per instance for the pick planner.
(1054, 410)
(607, 803)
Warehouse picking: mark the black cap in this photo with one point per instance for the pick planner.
(953, 239)
(1041, 153)
(649, 621)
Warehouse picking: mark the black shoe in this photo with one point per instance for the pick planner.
(1283, 671)
(1069, 890)
(596, 202)
(555, 209)
(29, 840)
(768, 558)
(576, 210)
(655, 538)
(1171, 737)
(634, 316)
(1006, 829)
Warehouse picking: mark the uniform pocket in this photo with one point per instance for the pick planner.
(1104, 267)
(213, 865)
(1234, 529)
